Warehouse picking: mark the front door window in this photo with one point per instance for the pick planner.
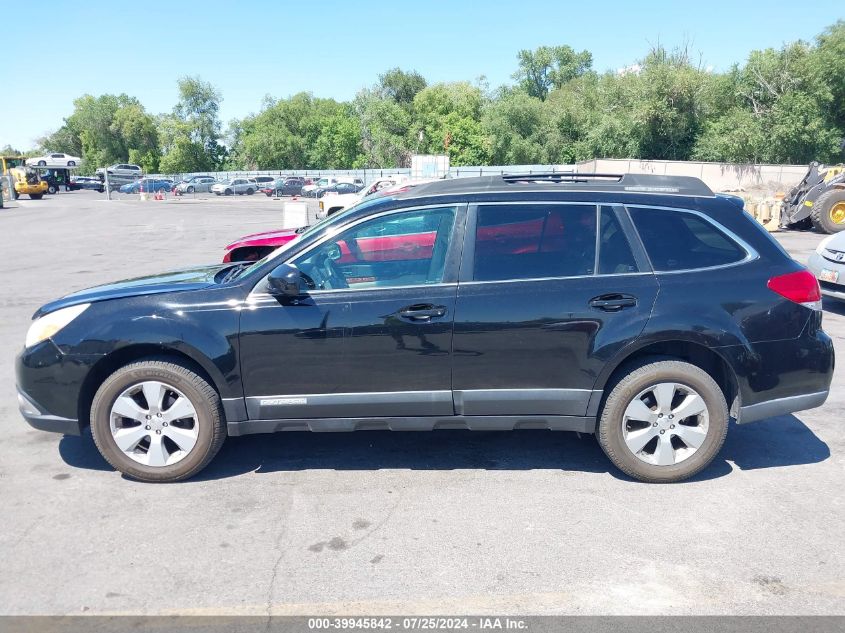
(400, 249)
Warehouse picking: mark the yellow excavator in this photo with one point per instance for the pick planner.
(25, 180)
(818, 200)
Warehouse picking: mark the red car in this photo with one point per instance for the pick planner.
(257, 245)
(254, 247)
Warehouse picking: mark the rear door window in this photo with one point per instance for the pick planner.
(534, 241)
(615, 254)
(682, 240)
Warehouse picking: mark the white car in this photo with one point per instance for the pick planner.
(828, 265)
(332, 203)
(239, 186)
(122, 170)
(54, 160)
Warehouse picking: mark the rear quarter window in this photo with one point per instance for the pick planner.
(681, 240)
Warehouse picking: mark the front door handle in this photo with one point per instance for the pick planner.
(422, 312)
(613, 302)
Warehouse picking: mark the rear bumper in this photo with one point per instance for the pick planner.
(785, 376)
(781, 406)
(37, 419)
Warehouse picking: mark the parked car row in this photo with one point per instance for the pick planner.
(148, 185)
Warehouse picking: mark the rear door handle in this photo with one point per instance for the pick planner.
(613, 302)
(422, 312)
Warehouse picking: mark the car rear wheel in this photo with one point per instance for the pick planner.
(664, 421)
(249, 192)
(191, 189)
(157, 421)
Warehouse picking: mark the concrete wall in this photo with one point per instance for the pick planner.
(767, 179)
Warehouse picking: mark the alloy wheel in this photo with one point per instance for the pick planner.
(665, 424)
(154, 424)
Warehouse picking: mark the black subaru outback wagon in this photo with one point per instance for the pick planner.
(644, 309)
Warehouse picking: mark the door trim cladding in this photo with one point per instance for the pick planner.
(492, 402)
(781, 406)
(318, 405)
(419, 423)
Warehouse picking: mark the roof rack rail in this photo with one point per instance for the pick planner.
(633, 183)
(561, 176)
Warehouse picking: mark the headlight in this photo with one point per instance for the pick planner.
(46, 326)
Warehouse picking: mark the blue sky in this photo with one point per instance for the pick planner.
(333, 49)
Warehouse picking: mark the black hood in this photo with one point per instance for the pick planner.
(174, 281)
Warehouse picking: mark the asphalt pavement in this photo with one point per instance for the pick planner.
(529, 522)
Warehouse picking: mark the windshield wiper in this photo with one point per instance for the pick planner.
(235, 271)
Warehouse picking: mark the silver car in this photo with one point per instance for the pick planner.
(196, 184)
(828, 265)
(239, 186)
(124, 170)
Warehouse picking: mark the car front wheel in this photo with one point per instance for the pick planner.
(157, 421)
(664, 421)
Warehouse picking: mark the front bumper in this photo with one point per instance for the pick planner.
(49, 386)
(37, 419)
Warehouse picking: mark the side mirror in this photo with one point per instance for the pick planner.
(285, 281)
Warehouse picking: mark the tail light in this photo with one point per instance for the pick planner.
(801, 287)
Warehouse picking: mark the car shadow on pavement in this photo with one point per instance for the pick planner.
(781, 441)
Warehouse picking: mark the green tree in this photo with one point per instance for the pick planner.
(447, 119)
(104, 129)
(517, 126)
(191, 134)
(400, 86)
(385, 130)
(549, 67)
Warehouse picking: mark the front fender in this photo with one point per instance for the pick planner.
(202, 325)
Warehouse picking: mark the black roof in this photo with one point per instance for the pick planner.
(612, 183)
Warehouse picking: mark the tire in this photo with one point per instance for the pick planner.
(51, 189)
(828, 212)
(36, 196)
(42, 163)
(249, 192)
(207, 421)
(71, 163)
(228, 192)
(191, 189)
(708, 429)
